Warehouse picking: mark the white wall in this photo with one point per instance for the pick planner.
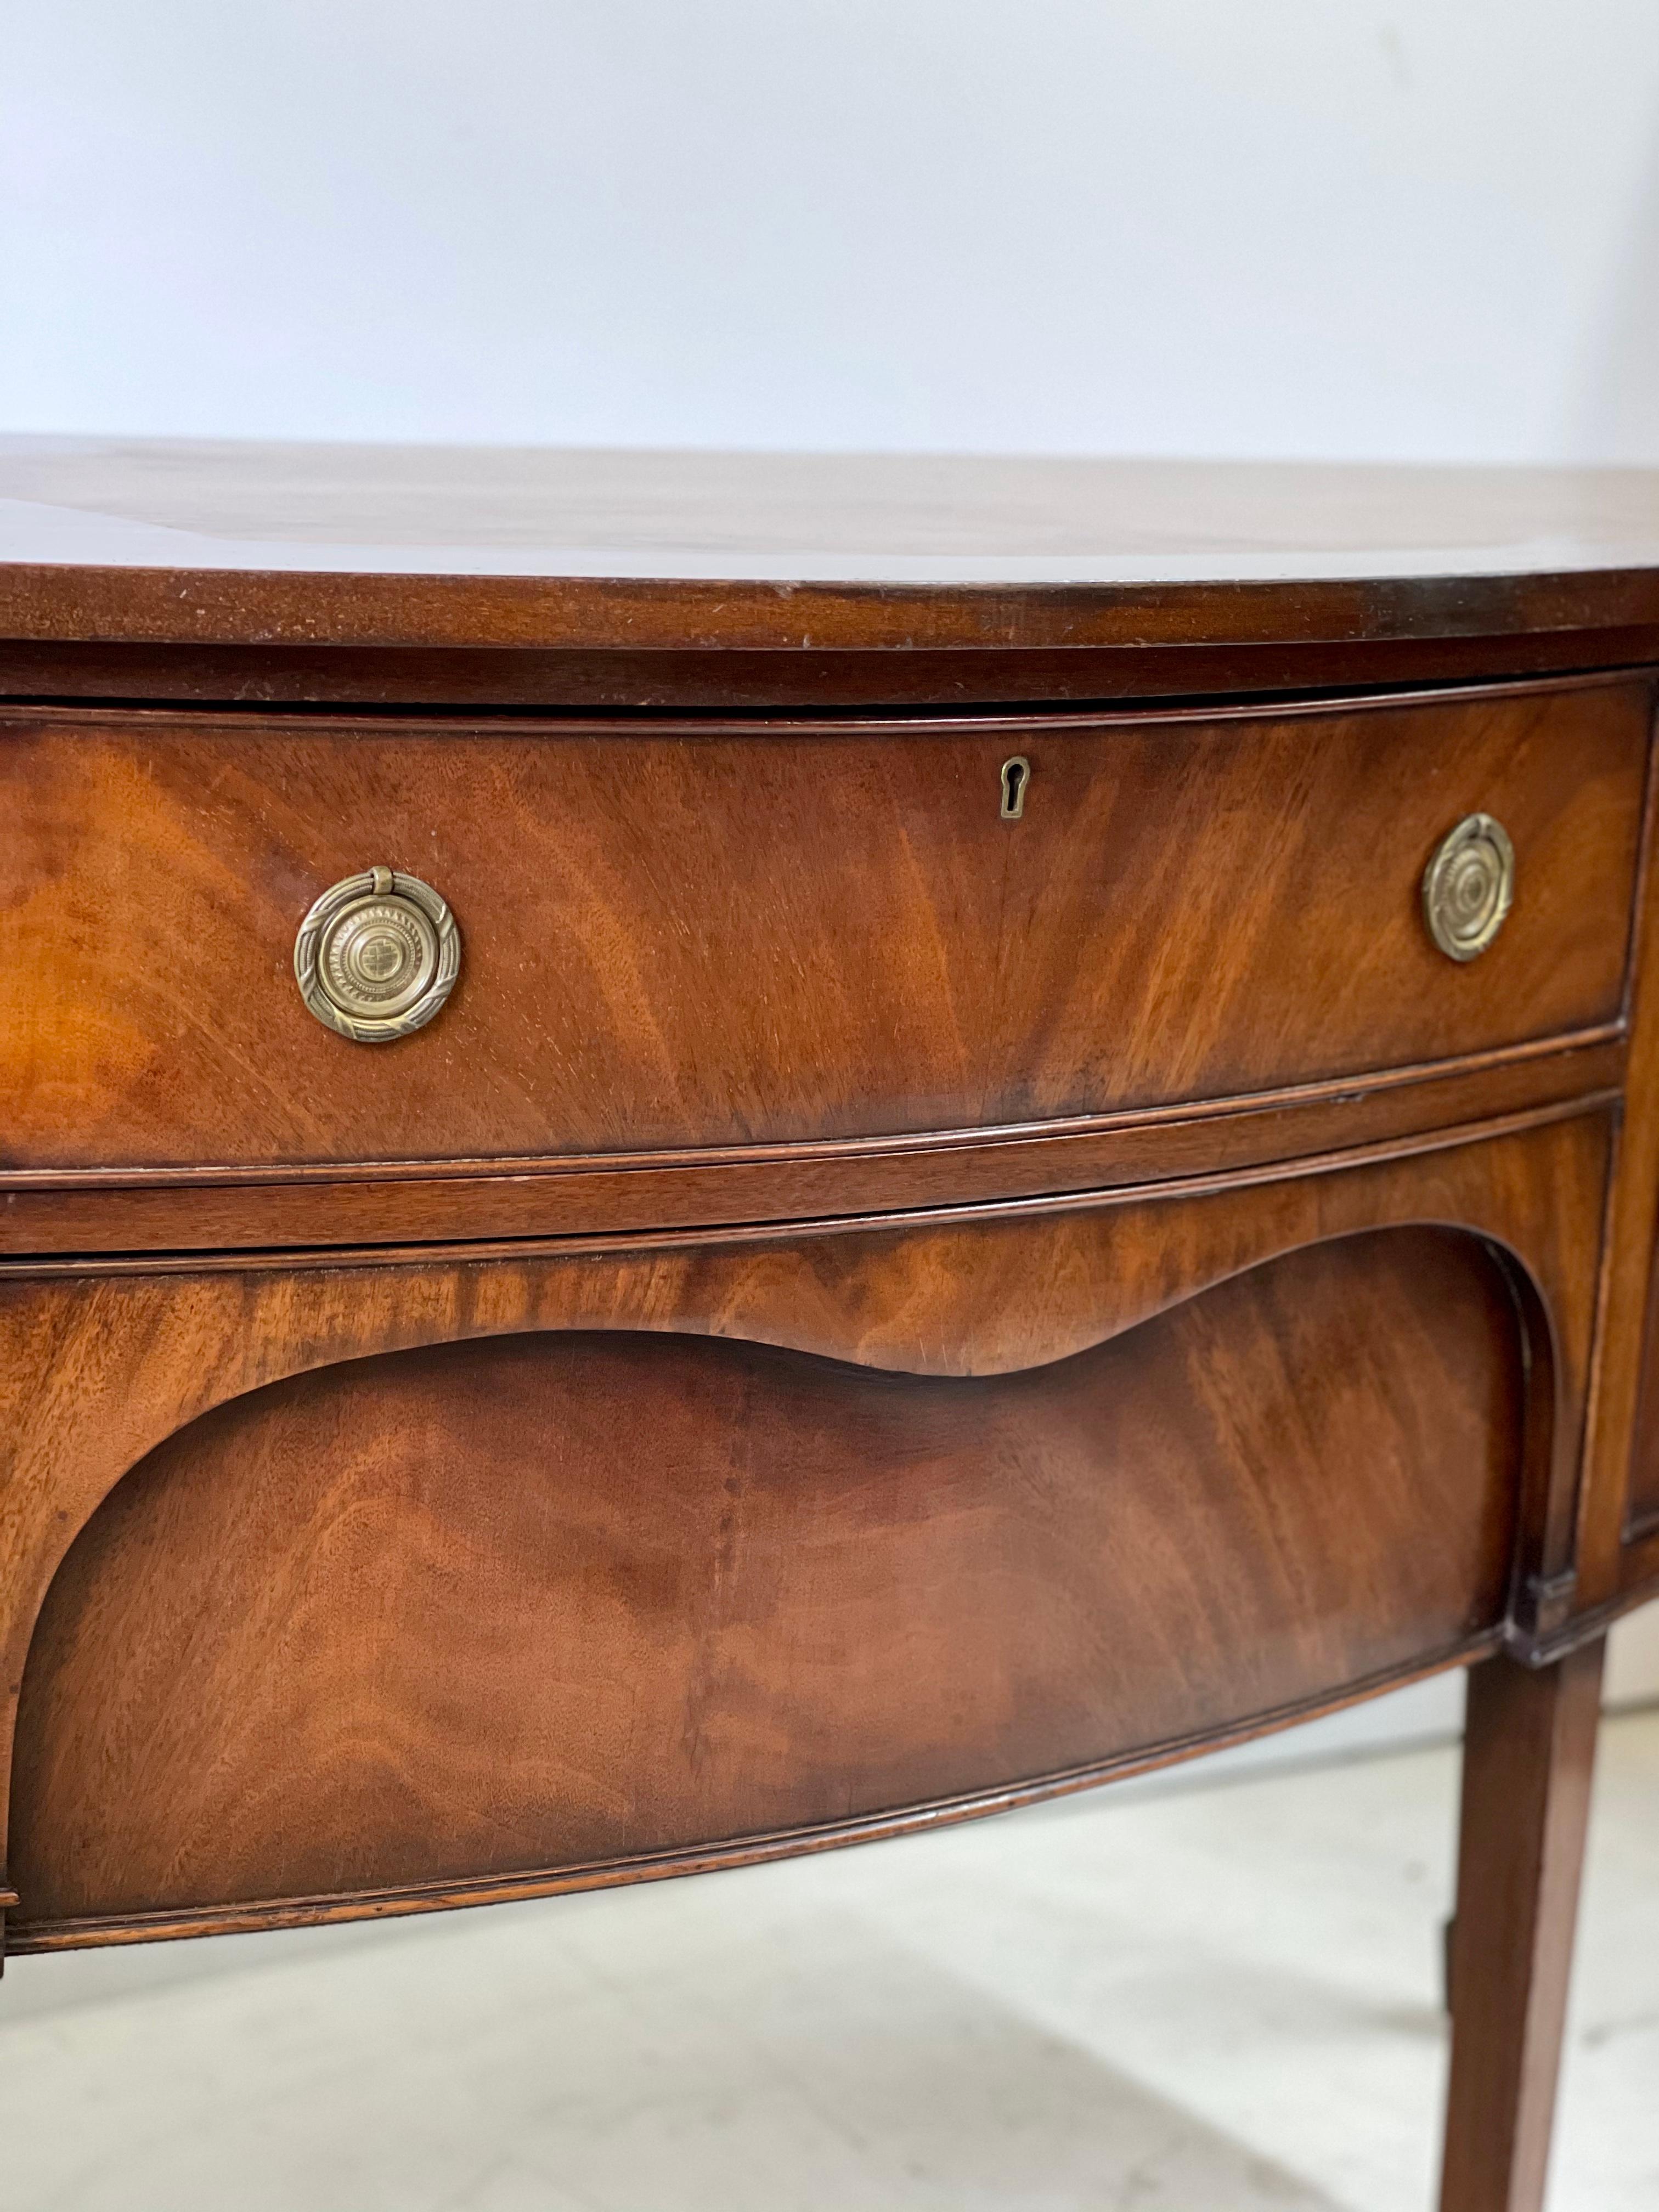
(1425, 229)
(1370, 228)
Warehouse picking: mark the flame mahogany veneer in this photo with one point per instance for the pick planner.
(858, 1311)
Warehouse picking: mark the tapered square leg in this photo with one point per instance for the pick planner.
(1528, 1760)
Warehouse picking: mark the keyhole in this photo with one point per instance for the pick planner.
(1016, 775)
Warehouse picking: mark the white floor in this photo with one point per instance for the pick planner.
(1206, 1997)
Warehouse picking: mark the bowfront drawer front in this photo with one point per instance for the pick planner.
(568, 1599)
(669, 936)
(479, 1573)
(403, 1578)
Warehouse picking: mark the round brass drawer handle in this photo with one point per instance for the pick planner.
(377, 956)
(1468, 886)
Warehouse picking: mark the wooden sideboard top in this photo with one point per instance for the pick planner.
(176, 543)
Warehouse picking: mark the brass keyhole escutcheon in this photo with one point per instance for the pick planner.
(1016, 781)
(1468, 886)
(377, 956)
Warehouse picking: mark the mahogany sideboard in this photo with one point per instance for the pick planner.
(704, 1156)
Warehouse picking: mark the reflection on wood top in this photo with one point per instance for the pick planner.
(199, 541)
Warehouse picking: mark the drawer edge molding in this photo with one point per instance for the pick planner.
(509, 1201)
(1601, 1105)
(24, 1938)
(1353, 1093)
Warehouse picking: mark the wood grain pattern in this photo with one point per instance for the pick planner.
(551, 1602)
(1394, 652)
(857, 1312)
(959, 571)
(98, 1369)
(752, 1851)
(1616, 1558)
(44, 1210)
(689, 937)
(1529, 1752)
(1641, 1501)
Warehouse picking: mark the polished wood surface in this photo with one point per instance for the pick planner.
(858, 1311)
(667, 516)
(1528, 1763)
(557, 1601)
(44, 1211)
(138, 1349)
(706, 936)
(1643, 1504)
(233, 571)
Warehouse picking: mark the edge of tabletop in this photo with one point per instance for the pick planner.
(72, 604)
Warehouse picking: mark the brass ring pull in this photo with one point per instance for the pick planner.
(1468, 886)
(377, 956)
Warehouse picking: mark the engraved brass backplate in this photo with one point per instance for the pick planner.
(1468, 886)
(377, 956)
